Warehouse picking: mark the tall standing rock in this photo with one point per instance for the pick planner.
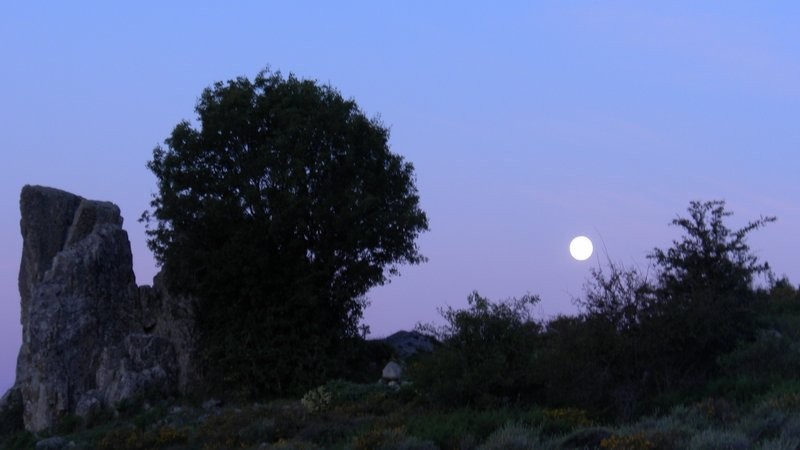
(85, 343)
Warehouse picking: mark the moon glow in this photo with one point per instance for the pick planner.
(581, 248)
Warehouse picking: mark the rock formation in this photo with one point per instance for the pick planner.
(90, 337)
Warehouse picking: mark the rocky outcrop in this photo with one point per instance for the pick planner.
(90, 336)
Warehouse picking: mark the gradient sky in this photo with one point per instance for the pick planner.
(528, 123)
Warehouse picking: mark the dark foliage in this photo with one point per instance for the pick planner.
(705, 297)
(487, 354)
(279, 213)
(642, 337)
(578, 363)
(642, 340)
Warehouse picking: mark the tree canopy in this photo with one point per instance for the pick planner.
(279, 212)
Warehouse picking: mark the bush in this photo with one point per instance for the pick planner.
(380, 438)
(636, 441)
(348, 396)
(647, 338)
(704, 301)
(780, 444)
(668, 431)
(125, 439)
(714, 439)
(512, 437)
(563, 420)
(455, 427)
(584, 378)
(18, 441)
(771, 355)
(764, 423)
(487, 356)
(246, 427)
(68, 423)
(585, 438)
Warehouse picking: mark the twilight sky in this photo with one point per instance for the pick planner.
(528, 124)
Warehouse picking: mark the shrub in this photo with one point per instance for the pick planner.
(19, 441)
(487, 356)
(350, 397)
(664, 335)
(125, 439)
(666, 432)
(716, 410)
(769, 356)
(791, 427)
(68, 423)
(564, 420)
(512, 437)
(330, 432)
(230, 429)
(713, 439)
(168, 435)
(637, 441)
(582, 379)
(380, 438)
(704, 301)
(780, 444)
(585, 438)
(452, 428)
(293, 445)
(318, 400)
(764, 423)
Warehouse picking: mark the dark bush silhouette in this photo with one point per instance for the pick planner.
(642, 338)
(487, 354)
(669, 332)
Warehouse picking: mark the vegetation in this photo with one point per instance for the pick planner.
(500, 379)
(486, 354)
(283, 177)
(641, 340)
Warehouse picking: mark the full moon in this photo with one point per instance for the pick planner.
(581, 248)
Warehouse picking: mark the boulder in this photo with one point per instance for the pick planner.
(392, 371)
(90, 336)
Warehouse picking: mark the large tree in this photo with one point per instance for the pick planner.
(279, 212)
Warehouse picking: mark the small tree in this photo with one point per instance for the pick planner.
(709, 256)
(279, 213)
(706, 301)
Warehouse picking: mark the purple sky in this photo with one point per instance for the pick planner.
(527, 125)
